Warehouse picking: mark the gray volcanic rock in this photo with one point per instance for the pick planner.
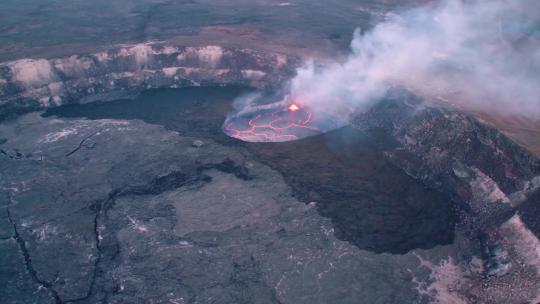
(31, 84)
(166, 209)
(492, 179)
(456, 154)
(122, 212)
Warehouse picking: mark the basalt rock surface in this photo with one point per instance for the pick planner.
(120, 211)
(493, 181)
(456, 154)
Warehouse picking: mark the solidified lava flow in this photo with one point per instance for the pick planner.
(277, 123)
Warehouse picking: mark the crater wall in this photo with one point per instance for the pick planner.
(32, 84)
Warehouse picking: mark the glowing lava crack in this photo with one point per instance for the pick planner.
(277, 123)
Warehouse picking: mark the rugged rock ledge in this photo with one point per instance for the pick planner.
(493, 181)
(30, 84)
(455, 153)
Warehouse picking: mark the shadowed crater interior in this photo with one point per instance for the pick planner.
(373, 204)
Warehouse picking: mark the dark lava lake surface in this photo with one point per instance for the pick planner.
(372, 203)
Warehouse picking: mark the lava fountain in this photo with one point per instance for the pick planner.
(278, 122)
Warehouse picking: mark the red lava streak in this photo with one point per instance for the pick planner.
(285, 124)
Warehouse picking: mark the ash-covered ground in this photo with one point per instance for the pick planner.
(122, 210)
(123, 202)
(118, 183)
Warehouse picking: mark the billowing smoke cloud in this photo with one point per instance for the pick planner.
(484, 54)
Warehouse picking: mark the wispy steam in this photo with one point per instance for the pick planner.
(484, 53)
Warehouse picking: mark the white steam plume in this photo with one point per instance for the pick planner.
(485, 52)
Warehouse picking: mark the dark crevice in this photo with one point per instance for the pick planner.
(28, 261)
(82, 143)
(156, 186)
(98, 207)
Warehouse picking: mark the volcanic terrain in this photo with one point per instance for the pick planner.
(128, 175)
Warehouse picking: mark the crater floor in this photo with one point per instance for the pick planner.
(152, 202)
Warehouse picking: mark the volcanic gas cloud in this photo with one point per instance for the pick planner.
(485, 54)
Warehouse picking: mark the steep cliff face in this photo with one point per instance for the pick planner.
(480, 168)
(494, 182)
(31, 84)
(452, 145)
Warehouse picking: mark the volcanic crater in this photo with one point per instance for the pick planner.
(149, 189)
(372, 203)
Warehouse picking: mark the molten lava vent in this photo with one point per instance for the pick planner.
(278, 122)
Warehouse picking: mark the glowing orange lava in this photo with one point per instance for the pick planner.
(273, 126)
(293, 107)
